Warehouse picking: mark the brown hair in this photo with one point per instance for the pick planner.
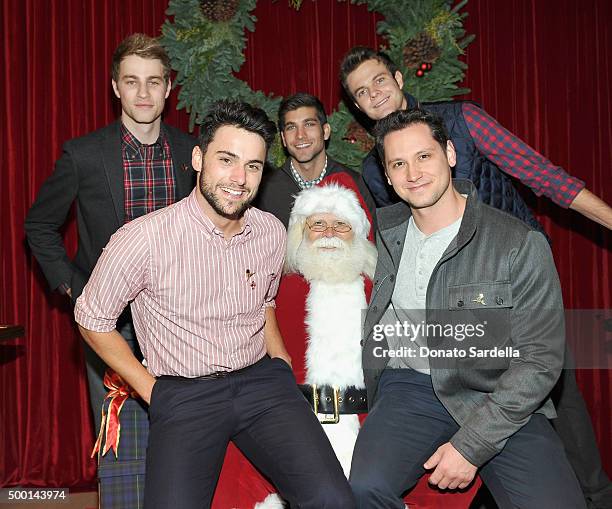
(357, 56)
(143, 46)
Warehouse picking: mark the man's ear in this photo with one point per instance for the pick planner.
(451, 155)
(326, 131)
(115, 89)
(399, 78)
(168, 88)
(282, 136)
(197, 159)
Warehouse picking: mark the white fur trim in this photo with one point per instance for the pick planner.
(333, 324)
(333, 199)
(272, 501)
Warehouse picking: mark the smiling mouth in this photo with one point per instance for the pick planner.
(416, 187)
(379, 104)
(302, 145)
(233, 193)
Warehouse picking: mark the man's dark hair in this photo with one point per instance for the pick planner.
(357, 56)
(300, 100)
(401, 119)
(143, 46)
(237, 114)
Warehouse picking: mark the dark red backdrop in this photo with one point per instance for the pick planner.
(542, 67)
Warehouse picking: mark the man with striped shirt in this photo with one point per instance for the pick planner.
(201, 277)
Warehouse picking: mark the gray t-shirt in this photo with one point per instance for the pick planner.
(420, 256)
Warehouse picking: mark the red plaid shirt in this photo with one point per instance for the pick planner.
(518, 159)
(148, 175)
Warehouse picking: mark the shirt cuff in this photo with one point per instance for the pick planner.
(84, 317)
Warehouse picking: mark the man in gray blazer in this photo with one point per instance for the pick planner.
(463, 339)
(118, 173)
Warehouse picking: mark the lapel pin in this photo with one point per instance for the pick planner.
(480, 299)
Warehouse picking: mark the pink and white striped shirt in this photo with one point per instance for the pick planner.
(198, 301)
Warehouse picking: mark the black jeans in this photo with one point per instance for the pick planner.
(263, 412)
(408, 423)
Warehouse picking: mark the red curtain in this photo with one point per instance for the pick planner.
(541, 67)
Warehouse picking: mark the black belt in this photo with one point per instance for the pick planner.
(326, 399)
(215, 374)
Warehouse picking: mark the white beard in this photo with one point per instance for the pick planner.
(343, 264)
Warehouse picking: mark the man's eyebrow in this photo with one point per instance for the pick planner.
(235, 156)
(226, 152)
(134, 77)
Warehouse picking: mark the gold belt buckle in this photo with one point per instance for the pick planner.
(315, 403)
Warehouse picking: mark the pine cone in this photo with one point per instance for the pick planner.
(219, 10)
(420, 49)
(355, 132)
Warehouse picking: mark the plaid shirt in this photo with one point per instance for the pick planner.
(148, 175)
(518, 159)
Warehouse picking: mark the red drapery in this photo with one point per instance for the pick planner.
(541, 67)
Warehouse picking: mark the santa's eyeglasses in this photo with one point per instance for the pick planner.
(322, 226)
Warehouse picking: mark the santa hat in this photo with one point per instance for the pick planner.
(333, 199)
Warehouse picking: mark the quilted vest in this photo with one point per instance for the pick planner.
(494, 187)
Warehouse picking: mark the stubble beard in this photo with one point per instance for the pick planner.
(216, 204)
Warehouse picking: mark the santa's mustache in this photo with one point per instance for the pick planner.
(329, 242)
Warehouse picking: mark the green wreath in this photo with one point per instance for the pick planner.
(206, 42)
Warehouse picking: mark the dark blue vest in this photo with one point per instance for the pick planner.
(494, 187)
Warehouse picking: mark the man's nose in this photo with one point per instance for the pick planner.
(238, 175)
(143, 90)
(329, 232)
(413, 173)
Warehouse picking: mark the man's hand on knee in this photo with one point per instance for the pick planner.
(451, 470)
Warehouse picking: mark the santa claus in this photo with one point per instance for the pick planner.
(328, 246)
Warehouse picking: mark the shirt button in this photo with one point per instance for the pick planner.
(374, 308)
(499, 301)
(460, 303)
(392, 278)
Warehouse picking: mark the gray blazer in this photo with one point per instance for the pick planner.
(511, 265)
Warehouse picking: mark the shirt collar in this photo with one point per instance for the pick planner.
(134, 146)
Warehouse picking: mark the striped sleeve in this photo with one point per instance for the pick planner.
(120, 274)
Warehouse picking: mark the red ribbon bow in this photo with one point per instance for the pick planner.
(110, 427)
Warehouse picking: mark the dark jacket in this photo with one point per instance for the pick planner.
(277, 190)
(494, 187)
(511, 265)
(90, 171)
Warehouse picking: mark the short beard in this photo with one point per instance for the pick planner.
(341, 265)
(212, 200)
